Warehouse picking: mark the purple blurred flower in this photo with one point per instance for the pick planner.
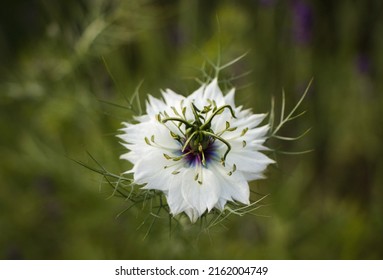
(302, 22)
(363, 64)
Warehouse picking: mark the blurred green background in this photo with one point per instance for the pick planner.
(59, 58)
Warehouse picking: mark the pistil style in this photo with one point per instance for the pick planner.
(199, 136)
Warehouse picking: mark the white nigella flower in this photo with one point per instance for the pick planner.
(200, 150)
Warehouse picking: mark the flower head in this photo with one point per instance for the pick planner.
(200, 151)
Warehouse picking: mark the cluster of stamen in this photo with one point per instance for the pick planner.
(196, 136)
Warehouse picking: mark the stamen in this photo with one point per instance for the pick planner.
(174, 136)
(175, 111)
(176, 158)
(179, 158)
(228, 128)
(196, 176)
(167, 157)
(214, 105)
(244, 131)
(232, 171)
(153, 143)
(203, 154)
(200, 172)
(171, 165)
(206, 109)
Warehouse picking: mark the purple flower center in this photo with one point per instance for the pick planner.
(197, 156)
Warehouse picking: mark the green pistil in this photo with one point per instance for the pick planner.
(198, 135)
(217, 112)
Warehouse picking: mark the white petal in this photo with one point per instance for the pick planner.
(219, 122)
(234, 186)
(176, 201)
(149, 165)
(200, 197)
(249, 176)
(197, 97)
(229, 98)
(192, 214)
(154, 106)
(136, 134)
(256, 133)
(213, 92)
(250, 122)
(171, 98)
(220, 205)
(248, 161)
(161, 180)
(131, 156)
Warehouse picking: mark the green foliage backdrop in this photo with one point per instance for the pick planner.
(60, 58)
